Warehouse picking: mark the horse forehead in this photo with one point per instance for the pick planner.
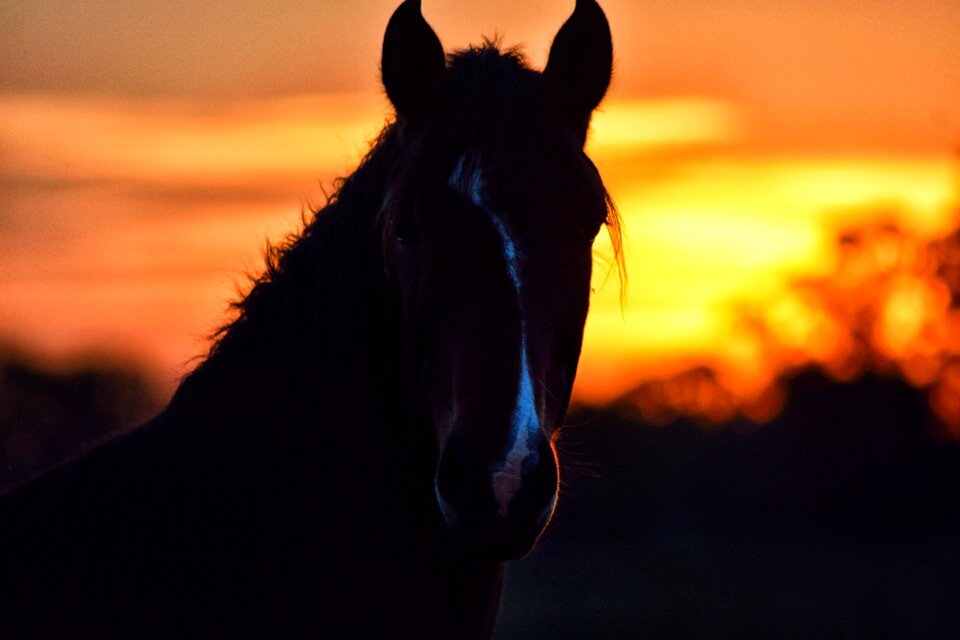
(467, 179)
(471, 178)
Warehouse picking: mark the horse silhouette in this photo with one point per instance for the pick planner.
(370, 440)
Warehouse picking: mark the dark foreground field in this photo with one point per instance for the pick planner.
(839, 520)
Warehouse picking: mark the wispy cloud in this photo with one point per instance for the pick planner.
(638, 126)
(183, 142)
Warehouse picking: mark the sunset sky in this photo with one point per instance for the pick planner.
(148, 149)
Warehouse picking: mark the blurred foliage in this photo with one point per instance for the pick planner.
(48, 416)
(889, 306)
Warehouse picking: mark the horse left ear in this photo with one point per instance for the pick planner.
(580, 64)
(413, 60)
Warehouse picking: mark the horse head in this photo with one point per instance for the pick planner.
(488, 233)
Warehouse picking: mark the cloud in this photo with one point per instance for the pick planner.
(189, 142)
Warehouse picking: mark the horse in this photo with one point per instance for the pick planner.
(371, 438)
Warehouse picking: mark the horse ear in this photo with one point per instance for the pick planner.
(413, 60)
(580, 64)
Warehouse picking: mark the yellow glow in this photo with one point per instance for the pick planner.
(629, 126)
(731, 230)
(160, 141)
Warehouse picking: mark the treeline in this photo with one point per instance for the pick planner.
(49, 415)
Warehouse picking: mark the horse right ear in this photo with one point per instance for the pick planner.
(580, 64)
(413, 61)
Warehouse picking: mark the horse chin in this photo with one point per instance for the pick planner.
(497, 550)
(494, 537)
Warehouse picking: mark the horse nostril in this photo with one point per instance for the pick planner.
(449, 472)
(540, 486)
(459, 484)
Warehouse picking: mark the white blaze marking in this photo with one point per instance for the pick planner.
(525, 423)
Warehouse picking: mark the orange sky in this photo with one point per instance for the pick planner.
(144, 156)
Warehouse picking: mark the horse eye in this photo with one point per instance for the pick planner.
(406, 234)
(405, 239)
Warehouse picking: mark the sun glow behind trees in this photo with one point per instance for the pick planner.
(710, 234)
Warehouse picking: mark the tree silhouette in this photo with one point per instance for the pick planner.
(48, 416)
(890, 307)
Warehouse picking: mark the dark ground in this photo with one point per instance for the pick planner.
(840, 519)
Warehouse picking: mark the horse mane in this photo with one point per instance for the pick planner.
(306, 260)
(354, 193)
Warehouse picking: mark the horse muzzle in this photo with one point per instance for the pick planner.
(497, 509)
